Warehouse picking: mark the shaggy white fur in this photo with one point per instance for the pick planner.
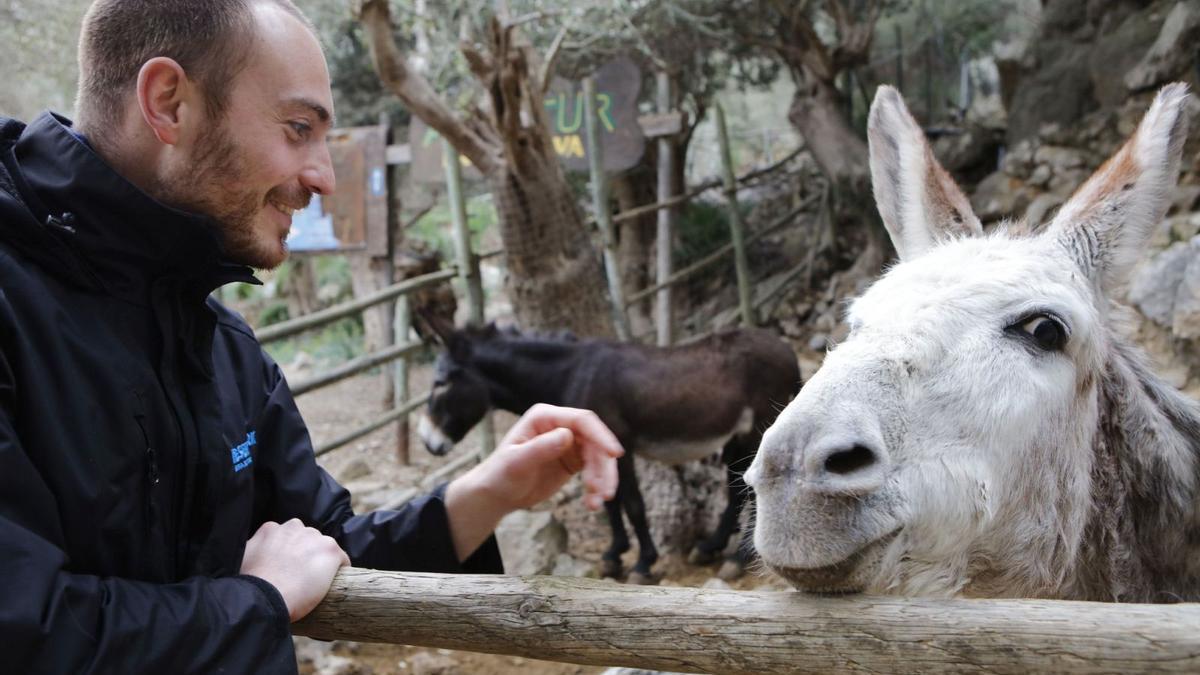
(983, 430)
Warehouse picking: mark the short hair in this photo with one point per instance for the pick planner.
(210, 39)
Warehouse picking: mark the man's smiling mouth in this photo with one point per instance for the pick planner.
(285, 210)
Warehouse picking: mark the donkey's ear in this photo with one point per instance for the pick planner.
(1104, 226)
(433, 327)
(919, 202)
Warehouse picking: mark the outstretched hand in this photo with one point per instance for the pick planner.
(537, 456)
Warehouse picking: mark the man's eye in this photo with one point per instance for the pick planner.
(301, 128)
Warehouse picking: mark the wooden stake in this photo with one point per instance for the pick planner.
(468, 268)
(736, 228)
(664, 318)
(600, 207)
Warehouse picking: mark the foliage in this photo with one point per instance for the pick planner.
(703, 228)
(276, 311)
(337, 342)
(38, 67)
(929, 41)
(434, 227)
(333, 270)
(358, 95)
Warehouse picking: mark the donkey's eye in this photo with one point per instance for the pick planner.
(1043, 330)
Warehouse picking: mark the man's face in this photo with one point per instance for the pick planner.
(267, 155)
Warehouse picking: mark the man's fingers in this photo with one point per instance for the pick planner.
(599, 468)
(600, 473)
(548, 446)
(589, 429)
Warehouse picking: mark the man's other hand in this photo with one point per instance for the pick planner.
(537, 456)
(297, 560)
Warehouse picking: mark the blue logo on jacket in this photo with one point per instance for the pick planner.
(241, 454)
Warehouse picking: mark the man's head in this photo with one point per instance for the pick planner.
(218, 107)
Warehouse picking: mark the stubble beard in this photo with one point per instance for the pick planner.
(213, 185)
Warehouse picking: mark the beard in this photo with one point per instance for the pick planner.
(214, 185)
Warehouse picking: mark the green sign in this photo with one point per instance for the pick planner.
(617, 85)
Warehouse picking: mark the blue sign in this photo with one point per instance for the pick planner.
(312, 229)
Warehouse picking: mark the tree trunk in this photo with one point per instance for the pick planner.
(817, 111)
(555, 278)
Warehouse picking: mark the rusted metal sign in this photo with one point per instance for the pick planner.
(354, 217)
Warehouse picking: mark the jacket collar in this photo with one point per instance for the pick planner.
(127, 239)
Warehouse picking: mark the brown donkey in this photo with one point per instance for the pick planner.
(673, 405)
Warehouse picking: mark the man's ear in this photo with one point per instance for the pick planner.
(1105, 225)
(162, 90)
(919, 202)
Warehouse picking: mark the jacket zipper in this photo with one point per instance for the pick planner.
(152, 475)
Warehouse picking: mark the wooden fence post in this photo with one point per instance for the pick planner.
(401, 330)
(664, 317)
(468, 267)
(401, 320)
(600, 205)
(735, 221)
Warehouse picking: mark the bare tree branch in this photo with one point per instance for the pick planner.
(813, 53)
(530, 18)
(854, 37)
(551, 59)
(415, 91)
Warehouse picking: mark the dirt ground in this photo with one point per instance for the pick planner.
(346, 405)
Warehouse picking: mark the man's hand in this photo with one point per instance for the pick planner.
(537, 457)
(297, 560)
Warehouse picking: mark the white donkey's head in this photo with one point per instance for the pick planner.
(946, 445)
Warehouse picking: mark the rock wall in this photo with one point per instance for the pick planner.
(1082, 86)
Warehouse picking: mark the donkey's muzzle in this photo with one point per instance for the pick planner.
(853, 468)
(435, 440)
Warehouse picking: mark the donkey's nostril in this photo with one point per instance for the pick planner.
(843, 462)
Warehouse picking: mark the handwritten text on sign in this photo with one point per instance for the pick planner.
(617, 85)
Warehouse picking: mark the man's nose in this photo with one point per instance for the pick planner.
(318, 176)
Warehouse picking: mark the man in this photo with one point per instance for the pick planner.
(160, 506)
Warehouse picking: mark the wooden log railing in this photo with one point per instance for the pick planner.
(722, 631)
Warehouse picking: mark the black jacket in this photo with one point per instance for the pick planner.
(144, 437)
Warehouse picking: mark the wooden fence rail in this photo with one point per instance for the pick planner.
(287, 329)
(395, 414)
(355, 366)
(714, 257)
(293, 327)
(720, 631)
(703, 187)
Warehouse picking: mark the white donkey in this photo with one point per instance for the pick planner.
(985, 430)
